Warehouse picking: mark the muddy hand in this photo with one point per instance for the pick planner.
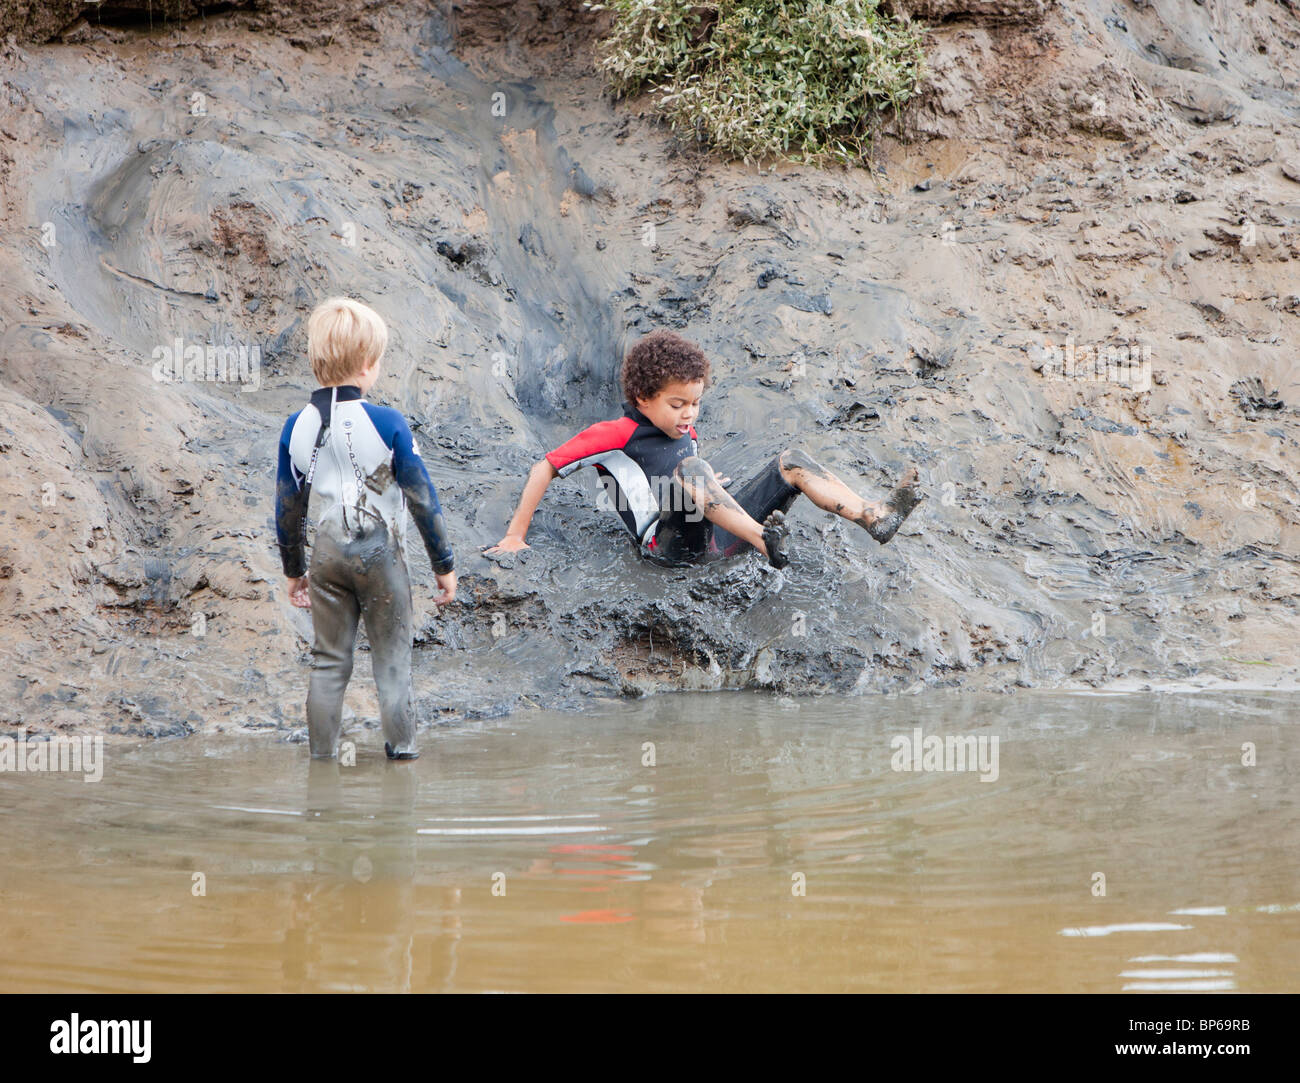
(298, 593)
(509, 544)
(447, 593)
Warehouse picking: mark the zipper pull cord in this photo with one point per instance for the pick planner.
(343, 504)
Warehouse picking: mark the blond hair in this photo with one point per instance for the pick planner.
(343, 337)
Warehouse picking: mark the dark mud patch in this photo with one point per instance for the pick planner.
(643, 664)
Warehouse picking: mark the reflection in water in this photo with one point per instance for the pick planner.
(1181, 973)
(772, 847)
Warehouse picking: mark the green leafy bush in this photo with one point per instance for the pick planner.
(801, 78)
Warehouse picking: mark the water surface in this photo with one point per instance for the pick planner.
(613, 875)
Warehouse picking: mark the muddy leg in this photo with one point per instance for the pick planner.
(701, 485)
(334, 614)
(387, 613)
(828, 492)
(896, 508)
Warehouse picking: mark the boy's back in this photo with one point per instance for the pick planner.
(367, 471)
(363, 463)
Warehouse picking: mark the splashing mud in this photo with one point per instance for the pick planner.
(176, 198)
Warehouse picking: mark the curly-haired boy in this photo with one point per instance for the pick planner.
(670, 499)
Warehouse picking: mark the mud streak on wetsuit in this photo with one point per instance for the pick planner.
(386, 441)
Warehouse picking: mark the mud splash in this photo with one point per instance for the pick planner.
(205, 183)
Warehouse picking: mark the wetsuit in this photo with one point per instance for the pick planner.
(635, 460)
(362, 463)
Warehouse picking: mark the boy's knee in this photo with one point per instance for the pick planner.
(393, 682)
(693, 468)
(797, 458)
(338, 667)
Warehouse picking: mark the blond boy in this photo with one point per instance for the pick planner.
(363, 464)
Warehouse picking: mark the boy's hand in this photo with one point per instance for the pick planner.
(298, 594)
(511, 543)
(447, 585)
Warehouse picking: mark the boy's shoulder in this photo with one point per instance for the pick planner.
(388, 420)
(378, 409)
(615, 432)
(597, 439)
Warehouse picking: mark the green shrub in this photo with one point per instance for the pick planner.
(800, 78)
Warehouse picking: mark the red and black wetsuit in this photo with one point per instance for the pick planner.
(635, 460)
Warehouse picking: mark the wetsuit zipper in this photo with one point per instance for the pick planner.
(334, 450)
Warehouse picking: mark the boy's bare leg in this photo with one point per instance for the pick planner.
(701, 484)
(880, 519)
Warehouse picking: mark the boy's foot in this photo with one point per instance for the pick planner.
(776, 540)
(897, 508)
(388, 750)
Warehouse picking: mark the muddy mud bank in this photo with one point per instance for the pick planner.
(1072, 183)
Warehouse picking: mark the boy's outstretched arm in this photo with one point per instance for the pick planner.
(539, 477)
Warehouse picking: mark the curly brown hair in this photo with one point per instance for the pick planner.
(660, 358)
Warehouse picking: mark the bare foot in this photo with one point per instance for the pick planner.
(776, 540)
(898, 507)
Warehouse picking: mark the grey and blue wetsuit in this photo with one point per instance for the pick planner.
(362, 464)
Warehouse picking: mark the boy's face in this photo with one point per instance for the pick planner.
(674, 408)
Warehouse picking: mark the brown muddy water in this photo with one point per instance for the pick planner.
(540, 852)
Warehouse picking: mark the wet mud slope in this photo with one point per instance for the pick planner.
(1077, 176)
